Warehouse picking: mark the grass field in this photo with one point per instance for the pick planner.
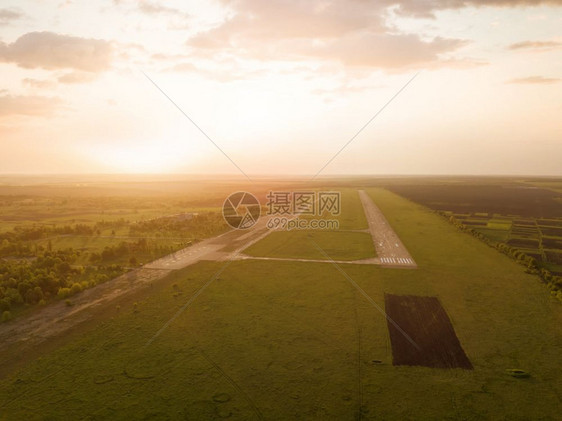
(341, 244)
(352, 215)
(298, 245)
(290, 340)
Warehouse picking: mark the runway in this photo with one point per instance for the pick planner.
(390, 250)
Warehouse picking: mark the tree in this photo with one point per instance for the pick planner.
(63, 267)
(33, 296)
(4, 304)
(13, 296)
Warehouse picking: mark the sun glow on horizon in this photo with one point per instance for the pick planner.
(144, 157)
(280, 87)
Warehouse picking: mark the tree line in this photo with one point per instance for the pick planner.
(32, 272)
(50, 274)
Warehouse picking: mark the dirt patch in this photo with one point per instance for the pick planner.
(426, 323)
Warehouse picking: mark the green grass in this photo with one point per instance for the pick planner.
(553, 267)
(296, 341)
(338, 245)
(497, 235)
(499, 224)
(351, 217)
(352, 214)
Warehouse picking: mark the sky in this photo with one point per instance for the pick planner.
(280, 86)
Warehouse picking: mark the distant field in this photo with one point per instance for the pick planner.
(493, 199)
(548, 183)
(294, 340)
(526, 218)
(54, 211)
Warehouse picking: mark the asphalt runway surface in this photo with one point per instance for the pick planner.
(390, 250)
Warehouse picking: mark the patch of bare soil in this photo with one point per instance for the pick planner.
(423, 321)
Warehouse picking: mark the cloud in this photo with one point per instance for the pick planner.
(535, 45)
(426, 8)
(77, 77)
(168, 57)
(38, 83)
(353, 33)
(151, 8)
(9, 15)
(49, 50)
(156, 9)
(28, 105)
(287, 19)
(385, 50)
(220, 75)
(537, 80)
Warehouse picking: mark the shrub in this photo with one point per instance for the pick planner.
(4, 304)
(6, 315)
(102, 278)
(63, 292)
(75, 288)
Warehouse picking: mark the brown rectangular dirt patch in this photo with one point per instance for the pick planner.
(423, 321)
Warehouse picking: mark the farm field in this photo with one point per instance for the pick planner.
(296, 340)
(526, 218)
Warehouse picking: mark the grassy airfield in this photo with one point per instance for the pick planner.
(295, 340)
